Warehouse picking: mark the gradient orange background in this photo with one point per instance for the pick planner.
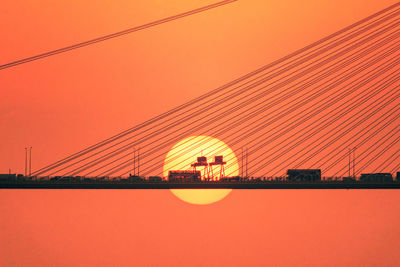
(61, 104)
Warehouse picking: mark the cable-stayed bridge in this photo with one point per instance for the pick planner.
(331, 106)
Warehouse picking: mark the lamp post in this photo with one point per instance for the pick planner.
(26, 160)
(30, 161)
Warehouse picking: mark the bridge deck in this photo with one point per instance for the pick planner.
(203, 185)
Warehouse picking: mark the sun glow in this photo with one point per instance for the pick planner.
(185, 152)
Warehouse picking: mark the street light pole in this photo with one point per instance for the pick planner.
(26, 160)
(30, 161)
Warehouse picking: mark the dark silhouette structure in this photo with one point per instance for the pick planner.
(184, 176)
(296, 179)
(202, 162)
(376, 177)
(218, 161)
(304, 175)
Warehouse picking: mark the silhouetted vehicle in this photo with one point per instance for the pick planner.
(348, 179)
(155, 179)
(376, 177)
(135, 178)
(398, 177)
(309, 175)
(184, 176)
(65, 179)
(7, 177)
(230, 179)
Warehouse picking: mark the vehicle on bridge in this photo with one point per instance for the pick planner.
(304, 175)
(155, 179)
(135, 178)
(65, 179)
(348, 179)
(184, 176)
(231, 179)
(7, 177)
(376, 177)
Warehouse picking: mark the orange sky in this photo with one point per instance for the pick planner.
(61, 104)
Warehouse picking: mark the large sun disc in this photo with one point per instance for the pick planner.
(185, 152)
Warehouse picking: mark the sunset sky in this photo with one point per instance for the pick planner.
(61, 104)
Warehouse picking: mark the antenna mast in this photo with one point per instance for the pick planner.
(26, 160)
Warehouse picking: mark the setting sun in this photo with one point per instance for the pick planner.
(185, 153)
